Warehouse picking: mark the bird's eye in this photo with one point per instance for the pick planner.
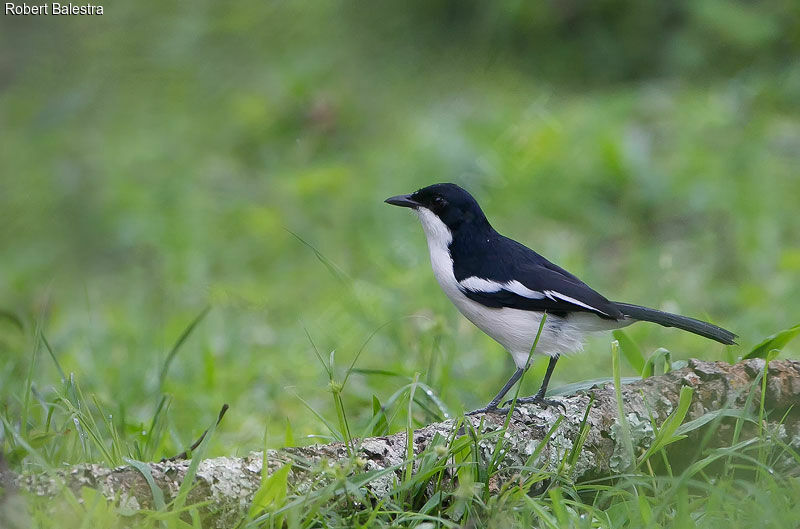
(439, 201)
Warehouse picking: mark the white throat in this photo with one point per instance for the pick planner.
(436, 231)
(439, 238)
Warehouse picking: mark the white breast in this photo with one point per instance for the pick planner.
(514, 329)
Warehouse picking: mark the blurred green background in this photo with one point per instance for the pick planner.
(157, 160)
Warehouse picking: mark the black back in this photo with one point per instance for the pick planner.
(479, 251)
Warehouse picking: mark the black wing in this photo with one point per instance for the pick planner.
(508, 274)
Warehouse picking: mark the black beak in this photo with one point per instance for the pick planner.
(404, 201)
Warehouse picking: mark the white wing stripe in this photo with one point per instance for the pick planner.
(487, 286)
(551, 294)
(477, 284)
(518, 288)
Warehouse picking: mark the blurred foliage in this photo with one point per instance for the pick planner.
(154, 159)
(602, 41)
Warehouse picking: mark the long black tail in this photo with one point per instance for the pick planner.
(674, 320)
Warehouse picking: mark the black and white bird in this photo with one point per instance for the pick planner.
(504, 288)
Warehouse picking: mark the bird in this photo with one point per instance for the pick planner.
(506, 289)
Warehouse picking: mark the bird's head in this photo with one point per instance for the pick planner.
(443, 204)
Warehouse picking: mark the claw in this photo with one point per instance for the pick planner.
(493, 409)
(488, 409)
(538, 400)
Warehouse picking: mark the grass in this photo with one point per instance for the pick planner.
(174, 230)
(747, 482)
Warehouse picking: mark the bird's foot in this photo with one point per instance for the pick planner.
(491, 408)
(539, 400)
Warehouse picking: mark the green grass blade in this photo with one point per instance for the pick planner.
(178, 343)
(380, 427)
(328, 369)
(624, 429)
(288, 436)
(583, 433)
(498, 448)
(518, 386)
(26, 400)
(197, 456)
(336, 434)
(157, 425)
(382, 372)
(330, 265)
(706, 418)
(633, 354)
(431, 395)
(361, 350)
(53, 356)
(667, 433)
(410, 429)
(13, 318)
(531, 461)
(272, 492)
(8, 429)
(155, 490)
(775, 342)
(659, 354)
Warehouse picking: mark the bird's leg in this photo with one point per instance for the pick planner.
(539, 397)
(492, 406)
